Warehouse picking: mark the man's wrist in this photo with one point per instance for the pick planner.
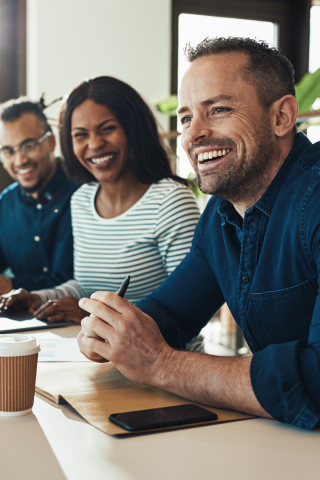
(167, 372)
(6, 284)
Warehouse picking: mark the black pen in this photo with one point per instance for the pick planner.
(124, 286)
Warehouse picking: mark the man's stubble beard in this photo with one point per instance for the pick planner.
(244, 179)
(37, 187)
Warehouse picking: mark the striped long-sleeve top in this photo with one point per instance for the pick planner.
(147, 241)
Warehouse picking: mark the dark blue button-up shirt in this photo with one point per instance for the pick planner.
(266, 267)
(35, 234)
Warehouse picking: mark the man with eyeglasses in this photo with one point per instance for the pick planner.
(35, 223)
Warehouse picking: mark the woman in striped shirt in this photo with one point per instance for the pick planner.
(134, 216)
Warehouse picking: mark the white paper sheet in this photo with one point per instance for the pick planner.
(58, 349)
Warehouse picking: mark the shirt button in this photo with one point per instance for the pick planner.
(45, 269)
(39, 206)
(245, 278)
(252, 224)
(37, 238)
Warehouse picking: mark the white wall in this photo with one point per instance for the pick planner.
(70, 40)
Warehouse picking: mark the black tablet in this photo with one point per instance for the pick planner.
(13, 321)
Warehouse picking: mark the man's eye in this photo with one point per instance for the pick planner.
(185, 120)
(6, 152)
(27, 147)
(220, 109)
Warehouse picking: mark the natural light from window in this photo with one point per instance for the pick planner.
(314, 63)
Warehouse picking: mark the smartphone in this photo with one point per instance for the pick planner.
(162, 417)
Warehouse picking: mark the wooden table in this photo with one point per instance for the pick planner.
(55, 443)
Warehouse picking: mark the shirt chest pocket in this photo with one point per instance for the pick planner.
(282, 316)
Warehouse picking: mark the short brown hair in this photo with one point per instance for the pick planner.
(267, 68)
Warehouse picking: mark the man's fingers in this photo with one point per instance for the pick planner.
(113, 301)
(97, 346)
(86, 352)
(9, 301)
(99, 327)
(89, 333)
(100, 309)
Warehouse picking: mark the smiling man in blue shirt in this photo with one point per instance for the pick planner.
(35, 221)
(256, 246)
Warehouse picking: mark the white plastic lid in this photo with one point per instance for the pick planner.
(17, 345)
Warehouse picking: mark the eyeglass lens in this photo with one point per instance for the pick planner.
(29, 148)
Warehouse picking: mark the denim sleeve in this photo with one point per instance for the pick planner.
(286, 381)
(3, 262)
(286, 377)
(187, 299)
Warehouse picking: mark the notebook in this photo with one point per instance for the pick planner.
(97, 390)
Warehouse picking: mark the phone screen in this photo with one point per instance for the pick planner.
(162, 417)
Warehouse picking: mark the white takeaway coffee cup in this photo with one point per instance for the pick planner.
(18, 369)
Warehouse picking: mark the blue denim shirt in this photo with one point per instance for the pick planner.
(35, 234)
(266, 267)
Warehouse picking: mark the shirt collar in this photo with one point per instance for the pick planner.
(267, 201)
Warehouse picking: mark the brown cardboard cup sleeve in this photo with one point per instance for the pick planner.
(18, 369)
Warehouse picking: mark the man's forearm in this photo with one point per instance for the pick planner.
(131, 340)
(216, 381)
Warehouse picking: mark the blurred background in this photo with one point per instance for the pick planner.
(51, 46)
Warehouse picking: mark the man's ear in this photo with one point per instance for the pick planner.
(284, 113)
(52, 142)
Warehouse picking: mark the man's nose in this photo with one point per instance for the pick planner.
(19, 159)
(199, 129)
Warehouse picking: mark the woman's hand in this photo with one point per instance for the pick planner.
(65, 308)
(20, 300)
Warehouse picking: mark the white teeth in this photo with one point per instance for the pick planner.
(101, 159)
(213, 154)
(25, 170)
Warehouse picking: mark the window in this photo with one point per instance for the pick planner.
(314, 63)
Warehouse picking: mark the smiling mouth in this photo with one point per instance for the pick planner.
(102, 159)
(25, 170)
(213, 155)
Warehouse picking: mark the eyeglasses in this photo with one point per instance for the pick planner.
(28, 148)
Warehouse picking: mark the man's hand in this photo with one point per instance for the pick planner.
(5, 284)
(65, 308)
(94, 357)
(129, 338)
(20, 300)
